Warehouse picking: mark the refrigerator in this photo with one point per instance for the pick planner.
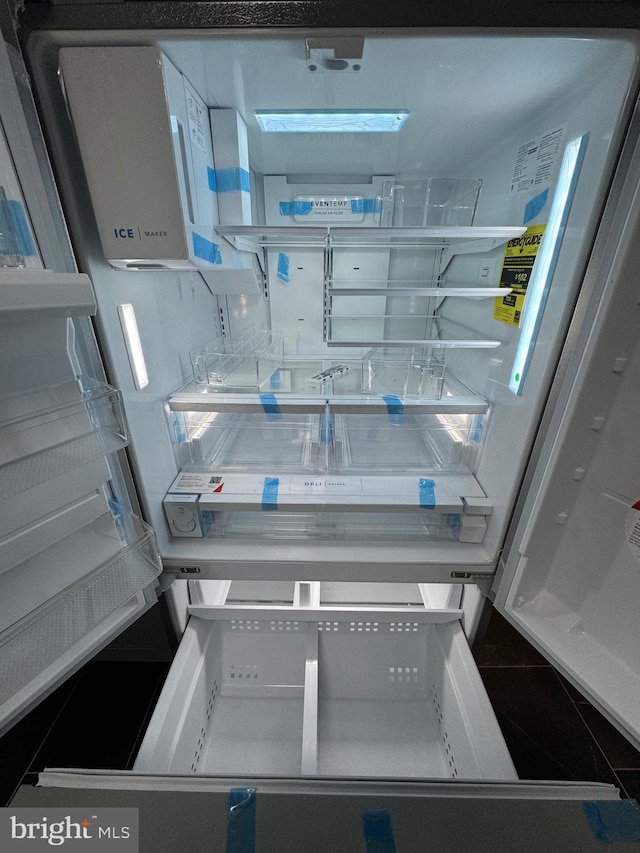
(328, 335)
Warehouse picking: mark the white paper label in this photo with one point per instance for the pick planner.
(197, 119)
(535, 161)
(329, 208)
(198, 483)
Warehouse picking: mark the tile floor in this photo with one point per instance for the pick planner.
(97, 719)
(551, 730)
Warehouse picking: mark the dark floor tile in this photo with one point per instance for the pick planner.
(543, 730)
(630, 779)
(504, 646)
(619, 752)
(153, 699)
(101, 723)
(574, 694)
(20, 744)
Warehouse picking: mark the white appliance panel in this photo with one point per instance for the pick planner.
(571, 580)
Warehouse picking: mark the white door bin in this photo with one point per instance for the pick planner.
(332, 698)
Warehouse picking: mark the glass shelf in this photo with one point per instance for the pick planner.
(250, 237)
(71, 428)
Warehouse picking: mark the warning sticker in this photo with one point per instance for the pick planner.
(632, 530)
(197, 117)
(535, 161)
(517, 267)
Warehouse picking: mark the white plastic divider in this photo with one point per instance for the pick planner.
(231, 612)
(310, 712)
(441, 603)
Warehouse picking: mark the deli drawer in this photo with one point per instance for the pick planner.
(375, 697)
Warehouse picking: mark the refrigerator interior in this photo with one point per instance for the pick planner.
(468, 118)
(349, 444)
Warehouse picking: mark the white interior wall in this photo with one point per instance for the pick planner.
(465, 117)
(514, 418)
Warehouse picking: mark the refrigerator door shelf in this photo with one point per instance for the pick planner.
(388, 698)
(63, 601)
(53, 431)
(29, 294)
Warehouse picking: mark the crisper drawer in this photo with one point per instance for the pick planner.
(364, 697)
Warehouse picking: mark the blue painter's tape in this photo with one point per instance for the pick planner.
(533, 207)
(16, 237)
(477, 428)
(378, 831)
(241, 820)
(327, 428)
(23, 232)
(233, 179)
(205, 249)
(395, 409)
(283, 266)
(614, 820)
(270, 493)
(295, 208)
(365, 205)
(454, 522)
(427, 493)
(275, 380)
(271, 407)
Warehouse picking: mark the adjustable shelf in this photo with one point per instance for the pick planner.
(253, 237)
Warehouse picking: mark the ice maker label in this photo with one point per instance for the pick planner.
(327, 485)
(632, 530)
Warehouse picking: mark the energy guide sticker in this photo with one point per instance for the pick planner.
(517, 267)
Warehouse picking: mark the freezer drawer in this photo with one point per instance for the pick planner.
(365, 697)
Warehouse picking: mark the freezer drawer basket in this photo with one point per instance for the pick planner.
(372, 698)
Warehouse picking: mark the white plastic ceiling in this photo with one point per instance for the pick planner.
(464, 93)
